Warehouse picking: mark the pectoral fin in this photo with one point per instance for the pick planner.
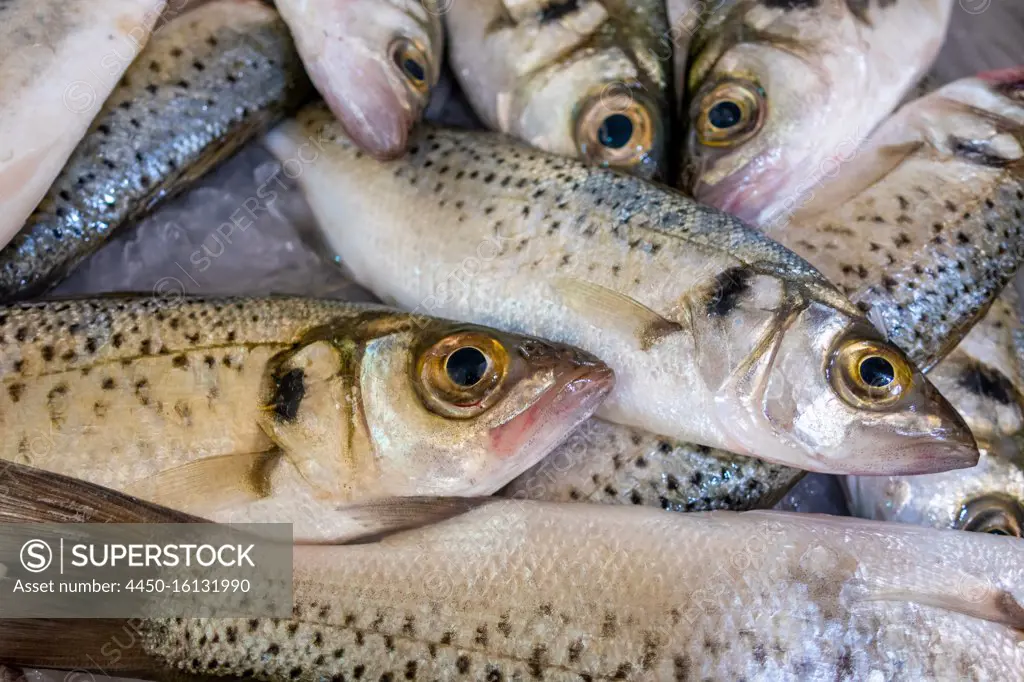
(609, 309)
(383, 518)
(971, 597)
(206, 485)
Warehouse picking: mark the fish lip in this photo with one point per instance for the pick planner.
(748, 200)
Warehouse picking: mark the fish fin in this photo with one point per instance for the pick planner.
(972, 597)
(389, 516)
(30, 495)
(604, 307)
(30, 643)
(212, 483)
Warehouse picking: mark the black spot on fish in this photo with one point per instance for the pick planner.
(985, 381)
(681, 668)
(536, 662)
(462, 664)
(557, 10)
(729, 286)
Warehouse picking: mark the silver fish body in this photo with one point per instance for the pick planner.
(582, 79)
(280, 409)
(777, 91)
(524, 590)
(717, 335)
(208, 81)
(61, 59)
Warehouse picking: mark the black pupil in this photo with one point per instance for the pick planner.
(466, 366)
(413, 69)
(877, 372)
(725, 114)
(615, 131)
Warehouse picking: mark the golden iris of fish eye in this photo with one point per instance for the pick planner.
(997, 514)
(592, 117)
(450, 399)
(845, 374)
(750, 102)
(412, 62)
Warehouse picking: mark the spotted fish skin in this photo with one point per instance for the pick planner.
(930, 214)
(608, 463)
(271, 409)
(207, 82)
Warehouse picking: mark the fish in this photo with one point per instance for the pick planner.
(509, 589)
(776, 91)
(984, 380)
(210, 80)
(606, 463)
(375, 63)
(717, 335)
(921, 227)
(61, 59)
(280, 409)
(581, 78)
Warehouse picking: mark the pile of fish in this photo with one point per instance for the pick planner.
(701, 249)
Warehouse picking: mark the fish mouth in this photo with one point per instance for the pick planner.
(1009, 82)
(751, 195)
(572, 397)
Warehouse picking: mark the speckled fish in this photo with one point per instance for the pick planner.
(208, 81)
(581, 78)
(778, 88)
(510, 590)
(984, 379)
(614, 464)
(374, 62)
(280, 409)
(717, 335)
(61, 58)
(930, 211)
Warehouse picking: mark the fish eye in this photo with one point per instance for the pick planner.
(463, 374)
(995, 514)
(617, 130)
(870, 374)
(412, 62)
(729, 114)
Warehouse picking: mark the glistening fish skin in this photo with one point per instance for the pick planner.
(614, 464)
(375, 63)
(516, 590)
(777, 89)
(922, 227)
(584, 79)
(280, 409)
(207, 82)
(717, 335)
(61, 58)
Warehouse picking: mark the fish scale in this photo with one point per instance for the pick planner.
(207, 82)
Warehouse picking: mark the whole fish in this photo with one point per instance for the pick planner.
(61, 58)
(777, 89)
(922, 227)
(717, 335)
(375, 63)
(510, 590)
(280, 409)
(614, 464)
(209, 81)
(580, 78)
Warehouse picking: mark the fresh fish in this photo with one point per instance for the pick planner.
(717, 335)
(280, 409)
(930, 211)
(779, 89)
(374, 62)
(209, 81)
(580, 78)
(614, 464)
(512, 590)
(984, 380)
(61, 58)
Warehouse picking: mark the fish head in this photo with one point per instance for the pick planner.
(987, 498)
(374, 63)
(427, 407)
(854, 403)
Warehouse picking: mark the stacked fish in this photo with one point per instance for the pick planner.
(698, 254)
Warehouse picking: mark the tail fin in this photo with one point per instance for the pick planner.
(30, 495)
